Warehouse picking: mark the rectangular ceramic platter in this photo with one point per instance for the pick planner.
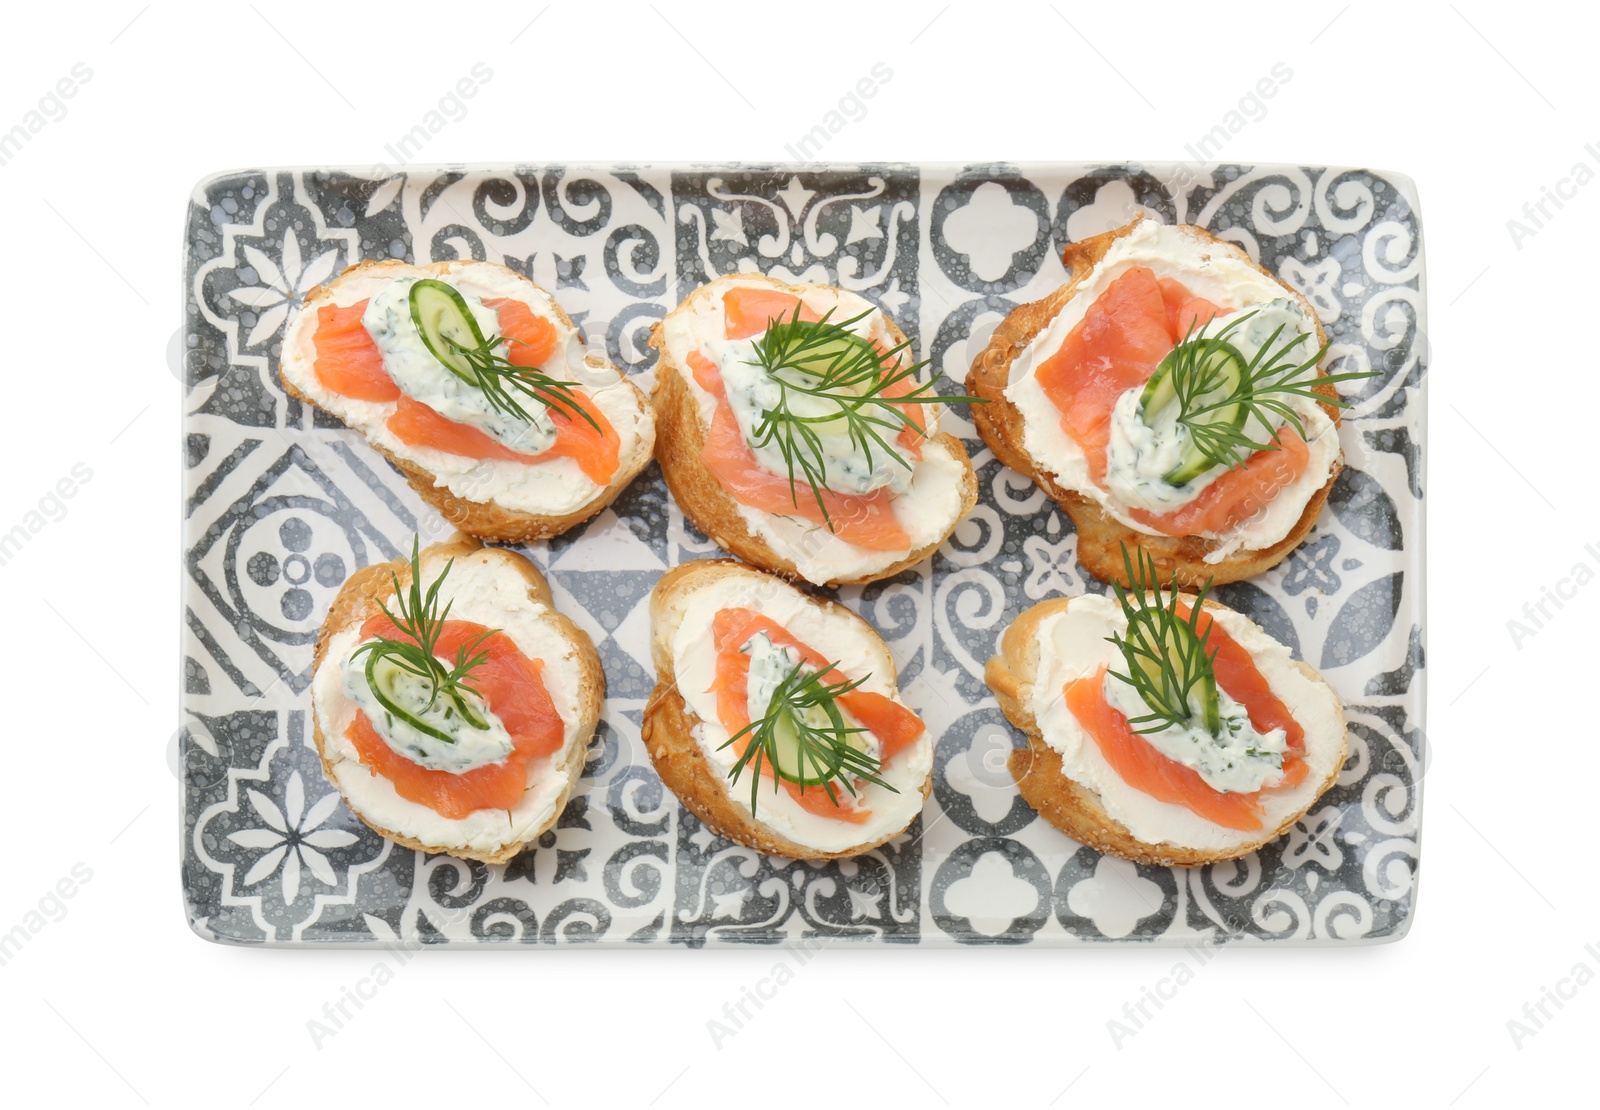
(282, 503)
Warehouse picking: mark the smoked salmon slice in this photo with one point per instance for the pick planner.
(420, 426)
(915, 429)
(1142, 766)
(748, 310)
(863, 520)
(595, 452)
(1184, 310)
(1243, 681)
(893, 724)
(1138, 763)
(512, 686)
(1236, 495)
(1117, 345)
(348, 362)
(531, 339)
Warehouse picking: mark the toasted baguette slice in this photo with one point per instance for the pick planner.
(682, 743)
(492, 499)
(1080, 810)
(807, 551)
(509, 593)
(1101, 536)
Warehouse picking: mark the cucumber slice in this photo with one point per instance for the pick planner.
(446, 325)
(1158, 392)
(390, 681)
(1152, 631)
(1220, 363)
(787, 761)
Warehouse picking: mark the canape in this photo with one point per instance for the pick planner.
(1164, 727)
(775, 717)
(797, 431)
(475, 384)
(452, 704)
(1170, 397)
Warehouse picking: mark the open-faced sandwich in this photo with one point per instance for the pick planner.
(796, 432)
(775, 717)
(472, 381)
(1169, 396)
(452, 704)
(1163, 727)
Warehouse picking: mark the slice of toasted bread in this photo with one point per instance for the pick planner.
(483, 517)
(1101, 536)
(1075, 808)
(681, 436)
(670, 729)
(489, 836)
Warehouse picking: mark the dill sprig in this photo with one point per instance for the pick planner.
(1165, 654)
(827, 361)
(498, 377)
(1218, 391)
(418, 617)
(804, 739)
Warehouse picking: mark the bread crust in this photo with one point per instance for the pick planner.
(669, 723)
(680, 447)
(1100, 535)
(486, 519)
(361, 597)
(1066, 804)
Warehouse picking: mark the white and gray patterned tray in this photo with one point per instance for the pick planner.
(282, 503)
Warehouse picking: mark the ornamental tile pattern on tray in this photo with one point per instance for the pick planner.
(281, 504)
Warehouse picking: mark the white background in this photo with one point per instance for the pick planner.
(118, 1002)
